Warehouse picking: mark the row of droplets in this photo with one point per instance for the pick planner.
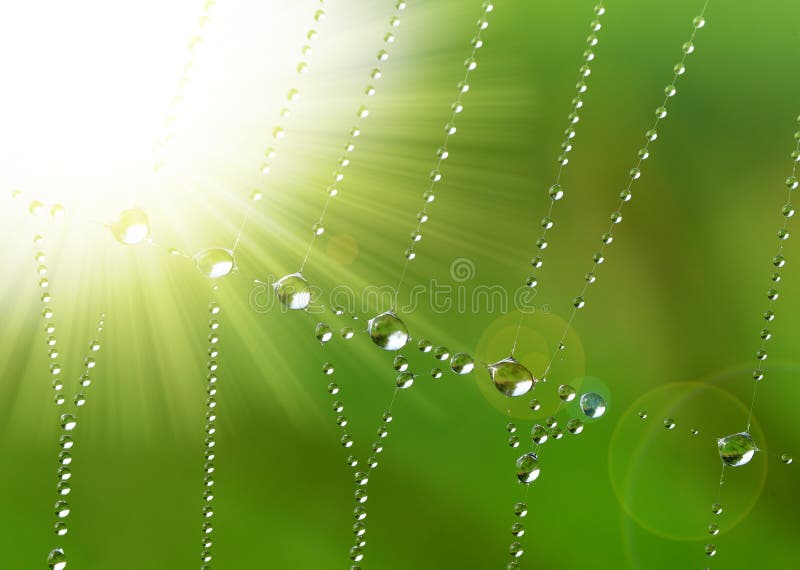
(210, 429)
(738, 449)
(442, 152)
(362, 112)
(68, 420)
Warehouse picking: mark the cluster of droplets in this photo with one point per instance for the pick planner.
(362, 112)
(527, 465)
(442, 152)
(210, 442)
(361, 470)
(556, 191)
(68, 407)
(459, 363)
(738, 449)
(166, 135)
(278, 131)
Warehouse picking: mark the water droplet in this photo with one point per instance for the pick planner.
(694, 431)
(60, 528)
(711, 550)
(786, 458)
(462, 363)
(388, 331)
(737, 449)
(716, 508)
(404, 380)
(513, 441)
(35, 207)
(57, 210)
(535, 405)
(424, 346)
(436, 373)
(346, 441)
(131, 227)
(517, 529)
(515, 549)
(574, 426)
(521, 509)
(323, 332)
(669, 423)
(400, 363)
(593, 405)
(214, 262)
(327, 368)
(441, 353)
(566, 392)
(511, 377)
(56, 560)
(528, 468)
(346, 333)
(293, 291)
(556, 192)
(68, 422)
(699, 22)
(538, 434)
(62, 509)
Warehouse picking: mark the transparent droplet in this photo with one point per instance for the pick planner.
(574, 426)
(436, 373)
(515, 549)
(424, 346)
(214, 262)
(517, 529)
(737, 449)
(593, 405)
(669, 423)
(688, 48)
(786, 459)
(699, 22)
(441, 353)
(462, 363)
(556, 192)
(131, 227)
(346, 441)
(535, 405)
(327, 368)
(716, 508)
(400, 363)
(713, 529)
(68, 422)
(711, 550)
(323, 332)
(57, 560)
(404, 380)
(566, 393)
(388, 331)
(528, 468)
(62, 509)
(511, 377)
(539, 434)
(521, 509)
(293, 291)
(513, 441)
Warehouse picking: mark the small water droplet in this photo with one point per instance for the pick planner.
(511, 377)
(737, 449)
(131, 227)
(293, 291)
(388, 331)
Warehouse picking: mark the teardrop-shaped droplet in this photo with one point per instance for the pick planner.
(737, 449)
(511, 377)
(131, 227)
(388, 331)
(293, 291)
(215, 262)
(528, 468)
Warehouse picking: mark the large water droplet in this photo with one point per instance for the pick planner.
(131, 227)
(388, 331)
(56, 560)
(593, 405)
(511, 377)
(528, 468)
(737, 449)
(215, 262)
(293, 291)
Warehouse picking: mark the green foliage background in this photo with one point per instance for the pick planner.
(678, 301)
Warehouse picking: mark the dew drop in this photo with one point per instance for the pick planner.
(404, 380)
(511, 377)
(56, 560)
(462, 363)
(400, 363)
(293, 291)
(131, 227)
(528, 468)
(214, 262)
(737, 449)
(593, 405)
(323, 332)
(669, 423)
(388, 331)
(566, 393)
(786, 459)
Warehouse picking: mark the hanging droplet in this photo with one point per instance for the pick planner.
(574, 426)
(511, 377)
(346, 333)
(737, 449)
(669, 423)
(521, 510)
(425, 345)
(131, 227)
(323, 332)
(538, 434)
(388, 331)
(293, 291)
(716, 508)
(441, 353)
(462, 363)
(436, 373)
(404, 380)
(513, 441)
(535, 405)
(786, 459)
(68, 422)
(400, 363)
(711, 550)
(713, 529)
(56, 560)
(214, 262)
(62, 509)
(528, 468)
(593, 405)
(566, 393)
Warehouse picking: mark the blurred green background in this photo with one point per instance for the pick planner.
(670, 327)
